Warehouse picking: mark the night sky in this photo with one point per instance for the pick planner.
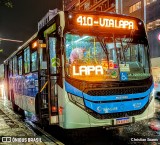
(21, 21)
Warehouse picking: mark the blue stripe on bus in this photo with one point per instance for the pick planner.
(114, 107)
(73, 90)
(26, 85)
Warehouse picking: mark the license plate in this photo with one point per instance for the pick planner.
(122, 120)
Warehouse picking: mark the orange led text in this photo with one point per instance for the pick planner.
(105, 22)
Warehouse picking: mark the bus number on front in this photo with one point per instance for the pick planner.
(85, 21)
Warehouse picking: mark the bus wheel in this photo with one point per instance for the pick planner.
(37, 108)
(37, 104)
(21, 112)
(14, 106)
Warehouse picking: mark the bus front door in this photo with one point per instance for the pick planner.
(52, 81)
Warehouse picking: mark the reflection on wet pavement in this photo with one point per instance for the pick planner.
(12, 126)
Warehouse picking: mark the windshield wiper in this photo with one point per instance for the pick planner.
(124, 57)
(103, 45)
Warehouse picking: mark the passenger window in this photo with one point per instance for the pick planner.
(27, 60)
(10, 67)
(34, 61)
(20, 65)
(15, 72)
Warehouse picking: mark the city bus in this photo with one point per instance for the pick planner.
(83, 69)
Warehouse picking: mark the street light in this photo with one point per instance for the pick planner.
(12, 40)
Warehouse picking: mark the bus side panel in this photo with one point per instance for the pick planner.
(71, 115)
(25, 90)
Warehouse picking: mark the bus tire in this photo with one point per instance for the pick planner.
(14, 106)
(21, 112)
(37, 105)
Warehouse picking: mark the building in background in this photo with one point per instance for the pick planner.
(134, 8)
(93, 5)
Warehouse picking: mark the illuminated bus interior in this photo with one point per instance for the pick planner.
(106, 58)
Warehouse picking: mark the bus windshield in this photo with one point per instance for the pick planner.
(111, 58)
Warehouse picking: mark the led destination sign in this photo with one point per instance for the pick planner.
(106, 22)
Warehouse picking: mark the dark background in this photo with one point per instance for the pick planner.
(153, 13)
(21, 22)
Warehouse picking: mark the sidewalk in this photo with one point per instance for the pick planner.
(12, 127)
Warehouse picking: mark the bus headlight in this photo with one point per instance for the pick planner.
(76, 100)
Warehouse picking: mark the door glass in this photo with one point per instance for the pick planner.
(53, 70)
(52, 53)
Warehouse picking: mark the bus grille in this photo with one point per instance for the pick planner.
(117, 91)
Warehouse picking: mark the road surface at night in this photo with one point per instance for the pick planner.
(147, 132)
